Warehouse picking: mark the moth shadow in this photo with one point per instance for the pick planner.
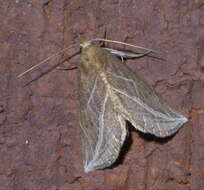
(129, 141)
(125, 148)
(148, 137)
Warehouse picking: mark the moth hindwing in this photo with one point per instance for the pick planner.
(109, 95)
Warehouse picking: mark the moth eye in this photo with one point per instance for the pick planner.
(86, 58)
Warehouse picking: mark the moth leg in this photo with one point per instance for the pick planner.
(127, 55)
(137, 55)
(65, 68)
(69, 67)
(121, 58)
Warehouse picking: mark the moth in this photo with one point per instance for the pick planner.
(111, 94)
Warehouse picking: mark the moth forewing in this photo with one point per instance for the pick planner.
(110, 94)
(103, 129)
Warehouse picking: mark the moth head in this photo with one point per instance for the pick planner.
(84, 43)
(90, 53)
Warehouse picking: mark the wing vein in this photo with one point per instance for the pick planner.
(92, 92)
(146, 107)
(101, 124)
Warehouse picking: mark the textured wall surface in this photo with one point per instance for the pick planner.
(39, 122)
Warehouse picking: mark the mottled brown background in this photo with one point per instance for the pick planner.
(39, 123)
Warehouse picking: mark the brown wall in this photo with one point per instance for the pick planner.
(39, 122)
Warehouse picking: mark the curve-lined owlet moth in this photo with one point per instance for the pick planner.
(109, 95)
